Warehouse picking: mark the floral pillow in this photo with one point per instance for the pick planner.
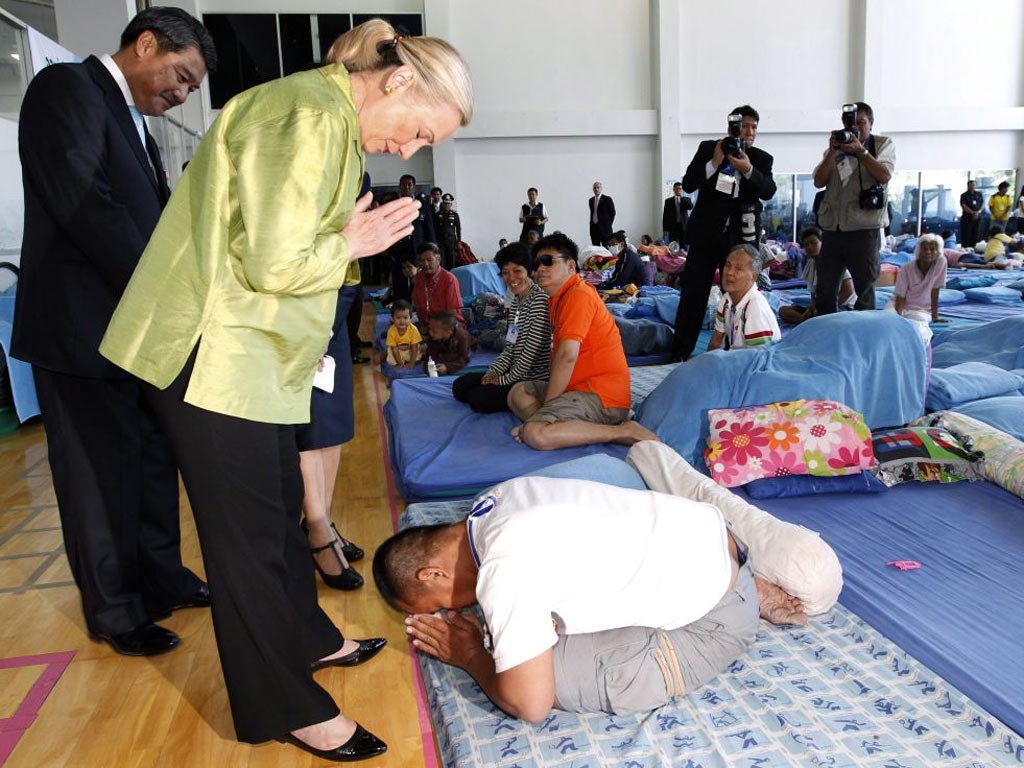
(801, 437)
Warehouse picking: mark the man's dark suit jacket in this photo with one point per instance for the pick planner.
(86, 221)
(676, 230)
(714, 208)
(605, 215)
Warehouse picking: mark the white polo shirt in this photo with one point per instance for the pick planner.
(563, 556)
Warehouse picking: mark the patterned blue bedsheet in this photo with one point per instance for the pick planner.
(835, 693)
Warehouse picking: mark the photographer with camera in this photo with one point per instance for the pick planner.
(854, 171)
(732, 178)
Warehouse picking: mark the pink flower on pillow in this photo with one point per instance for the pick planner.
(844, 456)
(778, 464)
(742, 441)
(782, 435)
(821, 434)
(725, 473)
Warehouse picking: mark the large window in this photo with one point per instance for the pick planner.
(254, 48)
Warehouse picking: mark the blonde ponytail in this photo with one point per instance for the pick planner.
(441, 74)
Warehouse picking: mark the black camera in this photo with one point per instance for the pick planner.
(872, 198)
(848, 132)
(732, 145)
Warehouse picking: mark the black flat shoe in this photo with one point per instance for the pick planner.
(349, 577)
(361, 746)
(359, 359)
(367, 650)
(144, 640)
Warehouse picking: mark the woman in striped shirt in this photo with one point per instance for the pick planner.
(527, 355)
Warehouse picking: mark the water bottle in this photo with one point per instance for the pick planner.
(431, 368)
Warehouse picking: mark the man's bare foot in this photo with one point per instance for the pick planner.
(777, 605)
(329, 734)
(631, 432)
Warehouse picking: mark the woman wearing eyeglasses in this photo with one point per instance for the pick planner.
(527, 352)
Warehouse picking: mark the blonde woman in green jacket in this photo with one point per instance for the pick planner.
(226, 318)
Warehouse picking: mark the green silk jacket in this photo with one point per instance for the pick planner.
(248, 256)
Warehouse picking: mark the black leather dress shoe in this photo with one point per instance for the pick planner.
(357, 359)
(367, 650)
(362, 745)
(198, 599)
(144, 640)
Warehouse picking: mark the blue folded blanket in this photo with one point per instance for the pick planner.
(965, 382)
(1005, 413)
(478, 278)
(1000, 343)
(873, 362)
(994, 294)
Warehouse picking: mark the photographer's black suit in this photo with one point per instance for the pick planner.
(715, 225)
(93, 194)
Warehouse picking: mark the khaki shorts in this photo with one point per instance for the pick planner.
(573, 406)
(637, 669)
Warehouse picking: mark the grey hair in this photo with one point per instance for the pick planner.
(442, 76)
(756, 260)
(929, 237)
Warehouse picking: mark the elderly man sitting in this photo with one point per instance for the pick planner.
(744, 317)
(596, 598)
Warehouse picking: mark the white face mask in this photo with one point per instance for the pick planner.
(615, 250)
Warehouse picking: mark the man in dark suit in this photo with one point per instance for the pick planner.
(730, 190)
(94, 189)
(602, 215)
(407, 249)
(675, 215)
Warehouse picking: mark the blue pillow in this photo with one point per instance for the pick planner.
(966, 382)
(971, 281)
(1005, 413)
(599, 467)
(811, 485)
(994, 294)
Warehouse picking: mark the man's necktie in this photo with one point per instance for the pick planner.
(139, 124)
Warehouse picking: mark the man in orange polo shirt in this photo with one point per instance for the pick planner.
(587, 398)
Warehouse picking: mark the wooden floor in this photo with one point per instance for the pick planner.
(172, 710)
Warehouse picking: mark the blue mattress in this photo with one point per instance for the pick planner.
(833, 693)
(962, 612)
(441, 449)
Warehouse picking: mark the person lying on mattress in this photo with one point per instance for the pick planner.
(586, 399)
(583, 612)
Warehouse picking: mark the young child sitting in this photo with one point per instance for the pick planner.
(448, 343)
(916, 295)
(744, 318)
(810, 240)
(404, 338)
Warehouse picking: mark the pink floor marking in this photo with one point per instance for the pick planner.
(12, 728)
(430, 755)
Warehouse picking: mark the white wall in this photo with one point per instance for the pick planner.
(623, 90)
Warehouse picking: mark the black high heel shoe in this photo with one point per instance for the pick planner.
(349, 577)
(361, 746)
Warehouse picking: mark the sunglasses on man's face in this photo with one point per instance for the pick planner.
(545, 261)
